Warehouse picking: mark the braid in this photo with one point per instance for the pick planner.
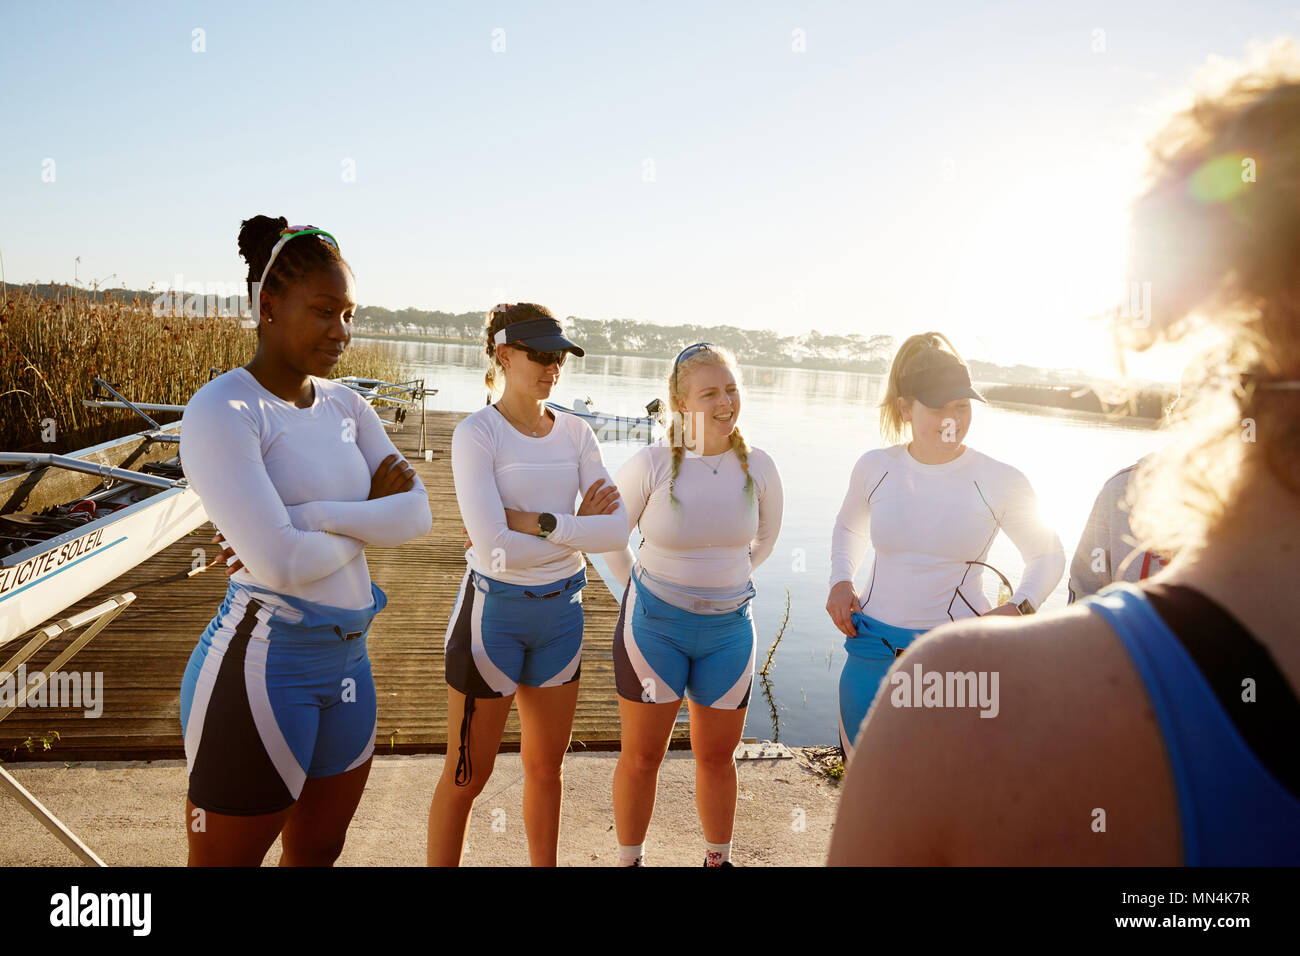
(679, 452)
(741, 447)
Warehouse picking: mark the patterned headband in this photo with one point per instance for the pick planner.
(292, 232)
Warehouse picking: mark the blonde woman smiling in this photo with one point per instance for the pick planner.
(708, 505)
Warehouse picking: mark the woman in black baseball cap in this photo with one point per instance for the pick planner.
(930, 509)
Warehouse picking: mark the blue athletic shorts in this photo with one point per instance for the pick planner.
(277, 690)
(503, 635)
(662, 652)
(870, 655)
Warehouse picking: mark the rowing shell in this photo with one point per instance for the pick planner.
(40, 581)
(612, 427)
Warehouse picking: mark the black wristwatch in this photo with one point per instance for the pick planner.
(1025, 607)
(546, 522)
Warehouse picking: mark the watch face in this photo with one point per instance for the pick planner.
(546, 522)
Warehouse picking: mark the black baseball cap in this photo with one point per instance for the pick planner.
(937, 386)
(541, 334)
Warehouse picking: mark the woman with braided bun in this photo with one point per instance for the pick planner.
(1153, 723)
(709, 508)
(278, 704)
(515, 634)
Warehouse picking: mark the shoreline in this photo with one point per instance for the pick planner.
(1027, 395)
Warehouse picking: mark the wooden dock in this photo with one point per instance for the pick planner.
(143, 653)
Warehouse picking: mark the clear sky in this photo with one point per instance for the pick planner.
(834, 165)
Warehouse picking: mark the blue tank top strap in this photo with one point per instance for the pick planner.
(1233, 811)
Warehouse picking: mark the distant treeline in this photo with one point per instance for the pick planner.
(869, 354)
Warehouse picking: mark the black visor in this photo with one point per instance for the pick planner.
(540, 334)
(936, 387)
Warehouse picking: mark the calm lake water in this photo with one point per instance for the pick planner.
(815, 425)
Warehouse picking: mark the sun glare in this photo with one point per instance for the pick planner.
(1040, 259)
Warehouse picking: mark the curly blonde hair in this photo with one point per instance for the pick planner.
(1216, 231)
(677, 391)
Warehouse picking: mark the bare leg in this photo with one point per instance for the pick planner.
(546, 719)
(715, 734)
(646, 732)
(219, 839)
(318, 822)
(452, 803)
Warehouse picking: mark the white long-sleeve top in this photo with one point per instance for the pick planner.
(708, 544)
(288, 486)
(925, 522)
(495, 467)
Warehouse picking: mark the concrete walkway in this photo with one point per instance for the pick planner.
(130, 813)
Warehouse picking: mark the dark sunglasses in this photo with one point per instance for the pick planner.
(542, 358)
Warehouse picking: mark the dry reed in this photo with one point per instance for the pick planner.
(51, 349)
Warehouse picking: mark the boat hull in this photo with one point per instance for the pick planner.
(613, 427)
(39, 582)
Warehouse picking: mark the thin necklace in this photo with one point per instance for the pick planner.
(512, 421)
(714, 467)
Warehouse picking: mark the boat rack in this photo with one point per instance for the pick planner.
(399, 397)
(138, 407)
(94, 619)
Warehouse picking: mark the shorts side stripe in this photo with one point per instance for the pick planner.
(846, 743)
(259, 701)
(489, 672)
(626, 640)
(737, 695)
(231, 771)
(465, 587)
(460, 669)
(220, 643)
(369, 749)
(568, 672)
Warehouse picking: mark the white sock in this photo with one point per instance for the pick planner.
(631, 855)
(718, 853)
